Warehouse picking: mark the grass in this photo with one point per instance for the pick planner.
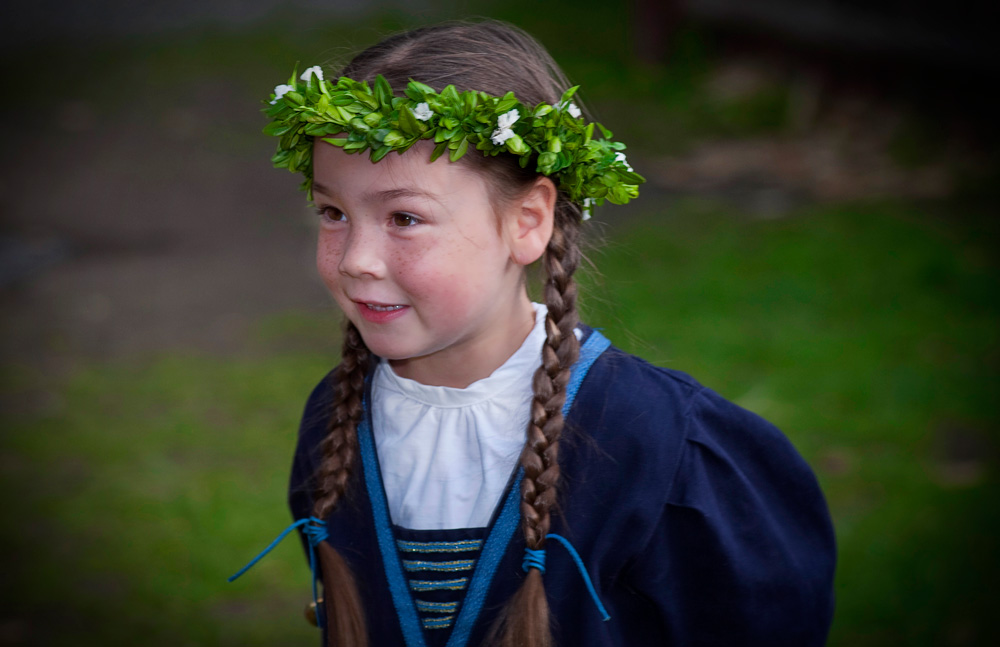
(866, 331)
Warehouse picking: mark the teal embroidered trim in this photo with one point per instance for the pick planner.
(438, 623)
(457, 565)
(439, 585)
(493, 547)
(426, 606)
(503, 529)
(466, 545)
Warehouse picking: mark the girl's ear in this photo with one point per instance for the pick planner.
(530, 220)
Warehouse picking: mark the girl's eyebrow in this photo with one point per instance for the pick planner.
(382, 196)
(402, 192)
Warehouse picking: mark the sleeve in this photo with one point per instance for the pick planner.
(744, 551)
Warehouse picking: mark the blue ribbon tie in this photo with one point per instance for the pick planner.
(536, 559)
(315, 532)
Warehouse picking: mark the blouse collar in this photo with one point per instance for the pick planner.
(518, 370)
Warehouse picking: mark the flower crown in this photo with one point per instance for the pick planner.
(556, 137)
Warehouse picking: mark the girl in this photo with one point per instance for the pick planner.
(480, 469)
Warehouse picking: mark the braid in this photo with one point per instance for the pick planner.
(525, 621)
(344, 613)
(340, 447)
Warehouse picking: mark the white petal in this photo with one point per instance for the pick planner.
(507, 119)
(315, 69)
(574, 111)
(500, 135)
(280, 91)
(422, 111)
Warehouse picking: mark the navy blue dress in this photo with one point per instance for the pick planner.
(698, 521)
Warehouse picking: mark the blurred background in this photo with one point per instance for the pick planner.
(817, 241)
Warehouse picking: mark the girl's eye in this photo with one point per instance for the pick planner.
(403, 219)
(331, 214)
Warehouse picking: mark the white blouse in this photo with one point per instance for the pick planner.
(446, 454)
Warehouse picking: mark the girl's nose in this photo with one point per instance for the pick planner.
(362, 257)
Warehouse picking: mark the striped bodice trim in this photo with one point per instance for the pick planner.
(438, 566)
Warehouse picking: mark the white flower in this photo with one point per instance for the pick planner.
(503, 131)
(280, 91)
(422, 112)
(500, 135)
(507, 119)
(620, 157)
(574, 111)
(315, 69)
(588, 208)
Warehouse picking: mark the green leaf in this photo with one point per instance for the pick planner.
(407, 122)
(568, 94)
(383, 91)
(413, 93)
(336, 141)
(366, 98)
(342, 99)
(315, 130)
(543, 109)
(517, 146)
(506, 103)
(456, 154)
(277, 128)
(471, 101)
(450, 95)
(394, 138)
(380, 152)
(341, 115)
(438, 150)
(420, 87)
(604, 131)
(631, 177)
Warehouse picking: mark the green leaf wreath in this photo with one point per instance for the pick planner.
(356, 117)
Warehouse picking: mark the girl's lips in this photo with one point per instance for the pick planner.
(380, 312)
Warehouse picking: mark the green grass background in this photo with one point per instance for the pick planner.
(866, 330)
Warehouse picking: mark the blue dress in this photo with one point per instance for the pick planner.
(697, 520)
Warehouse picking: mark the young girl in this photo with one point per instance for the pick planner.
(484, 470)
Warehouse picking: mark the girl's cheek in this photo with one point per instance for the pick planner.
(329, 249)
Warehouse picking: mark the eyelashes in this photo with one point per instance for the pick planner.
(398, 219)
(331, 214)
(403, 219)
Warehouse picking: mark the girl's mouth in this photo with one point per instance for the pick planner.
(381, 312)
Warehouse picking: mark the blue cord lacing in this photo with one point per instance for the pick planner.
(315, 532)
(536, 559)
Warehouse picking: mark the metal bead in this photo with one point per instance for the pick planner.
(310, 612)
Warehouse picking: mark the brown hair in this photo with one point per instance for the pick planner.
(495, 58)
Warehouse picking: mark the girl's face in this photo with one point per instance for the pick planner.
(420, 262)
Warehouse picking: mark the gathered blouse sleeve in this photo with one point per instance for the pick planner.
(744, 552)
